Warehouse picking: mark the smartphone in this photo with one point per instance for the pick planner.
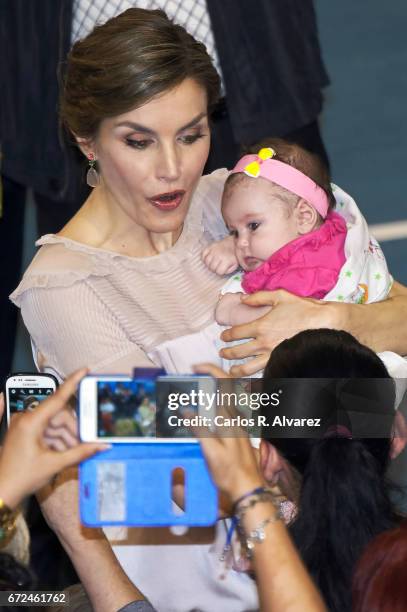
(26, 391)
(142, 409)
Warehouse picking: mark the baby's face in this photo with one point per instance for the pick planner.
(259, 221)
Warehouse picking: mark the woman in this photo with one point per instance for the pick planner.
(344, 497)
(107, 586)
(235, 470)
(47, 439)
(125, 274)
(96, 292)
(336, 477)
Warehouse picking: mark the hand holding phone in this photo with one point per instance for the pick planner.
(26, 464)
(24, 392)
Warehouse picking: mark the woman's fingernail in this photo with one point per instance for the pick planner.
(103, 447)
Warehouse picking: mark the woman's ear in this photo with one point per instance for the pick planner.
(271, 464)
(86, 145)
(399, 441)
(306, 217)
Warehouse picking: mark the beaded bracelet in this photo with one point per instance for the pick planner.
(266, 496)
(253, 493)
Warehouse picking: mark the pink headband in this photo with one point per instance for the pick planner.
(284, 175)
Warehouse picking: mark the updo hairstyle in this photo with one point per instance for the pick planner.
(126, 62)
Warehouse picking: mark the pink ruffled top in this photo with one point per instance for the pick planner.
(308, 266)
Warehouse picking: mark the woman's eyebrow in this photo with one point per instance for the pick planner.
(137, 127)
(193, 121)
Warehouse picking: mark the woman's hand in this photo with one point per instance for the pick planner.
(380, 325)
(59, 503)
(231, 460)
(288, 316)
(62, 430)
(99, 571)
(232, 463)
(26, 461)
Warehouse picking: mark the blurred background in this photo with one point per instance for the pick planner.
(363, 122)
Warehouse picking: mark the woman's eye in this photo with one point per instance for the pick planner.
(191, 138)
(138, 144)
(253, 225)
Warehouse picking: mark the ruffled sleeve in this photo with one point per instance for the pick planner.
(209, 196)
(69, 322)
(55, 266)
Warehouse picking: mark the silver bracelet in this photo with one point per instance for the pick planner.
(256, 535)
(265, 496)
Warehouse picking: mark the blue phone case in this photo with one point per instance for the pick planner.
(130, 485)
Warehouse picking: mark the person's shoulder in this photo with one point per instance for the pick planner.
(205, 206)
(59, 263)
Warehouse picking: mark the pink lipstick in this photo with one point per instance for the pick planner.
(167, 201)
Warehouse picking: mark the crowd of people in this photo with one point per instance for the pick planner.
(133, 280)
(306, 559)
(126, 409)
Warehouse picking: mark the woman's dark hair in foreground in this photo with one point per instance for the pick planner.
(344, 498)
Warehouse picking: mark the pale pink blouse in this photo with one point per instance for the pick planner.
(86, 306)
(89, 306)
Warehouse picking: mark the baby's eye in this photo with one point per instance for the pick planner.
(253, 225)
(233, 233)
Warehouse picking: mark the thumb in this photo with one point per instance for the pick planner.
(265, 298)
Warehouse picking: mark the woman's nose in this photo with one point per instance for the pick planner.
(169, 165)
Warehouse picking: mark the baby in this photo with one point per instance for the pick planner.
(285, 234)
(278, 207)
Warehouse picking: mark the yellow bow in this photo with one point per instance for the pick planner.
(253, 169)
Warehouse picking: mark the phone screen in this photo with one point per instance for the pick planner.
(126, 409)
(145, 408)
(20, 399)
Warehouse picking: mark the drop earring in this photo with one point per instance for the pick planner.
(92, 175)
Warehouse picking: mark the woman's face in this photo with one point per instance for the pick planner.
(151, 158)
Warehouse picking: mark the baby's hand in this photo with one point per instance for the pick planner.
(220, 256)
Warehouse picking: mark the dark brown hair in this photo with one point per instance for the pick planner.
(126, 62)
(345, 496)
(297, 157)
